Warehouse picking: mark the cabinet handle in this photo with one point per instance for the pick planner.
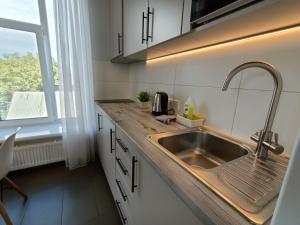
(99, 122)
(125, 149)
(133, 185)
(124, 219)
(121, 165)
(143, 32)
(111, 140)
(148, 23)
(124, 196)
(119, 43)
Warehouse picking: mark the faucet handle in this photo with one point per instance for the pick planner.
(255, 137)
(276, 138)
(269, 136)
(275, 147)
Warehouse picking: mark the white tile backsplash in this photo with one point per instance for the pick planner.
(162, 73)
(251, 112)
(111, 90)
(113, 72)
(111, 81)
(243, 108)
(285, 61)
(153, 88)
(206, 71)
(216, 105)
(287, 119)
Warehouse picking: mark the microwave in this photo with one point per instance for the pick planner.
(204, 11)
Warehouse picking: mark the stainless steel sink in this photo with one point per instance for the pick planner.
(229, 168)
(202, 149)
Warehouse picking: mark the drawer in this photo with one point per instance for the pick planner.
(123, 174)
(122, 157)
(126, 159)
(123, 192)
(127, 145)
(124, 147)
(123, 212)
(127, 170)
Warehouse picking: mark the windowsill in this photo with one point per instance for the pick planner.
(28, 133)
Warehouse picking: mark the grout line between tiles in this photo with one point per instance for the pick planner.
(95, 195)
(236, 104)
(174, 79)
(24, 211)
(112, 81)
(62, 203)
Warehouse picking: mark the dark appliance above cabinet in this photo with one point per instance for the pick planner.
(204, 11)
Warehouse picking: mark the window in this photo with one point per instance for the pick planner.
(28, 72)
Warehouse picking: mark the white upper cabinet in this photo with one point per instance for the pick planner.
(117, 28)
(165, 20)
(186, 15)
(147, 23)
(135, 22)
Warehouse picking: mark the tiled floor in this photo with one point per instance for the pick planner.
(58, 196)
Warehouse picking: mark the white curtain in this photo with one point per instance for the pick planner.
(75, 69)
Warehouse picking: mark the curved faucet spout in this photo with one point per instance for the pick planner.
(276, 93)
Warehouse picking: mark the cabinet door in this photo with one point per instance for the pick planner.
(99, 131)
(135, 21)
(117, 27)
(165, 20)
(107, 149)
(156, 203)
(186, 16)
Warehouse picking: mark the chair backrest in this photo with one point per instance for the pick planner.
(6, 154)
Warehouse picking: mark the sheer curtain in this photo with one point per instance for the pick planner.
(75, 69)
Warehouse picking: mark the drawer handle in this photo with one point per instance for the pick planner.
(133, 185)
(124, 219)
(111, 140)
(143, 28)
(99, 121)
(148, 24)
(122, 167)
(124, 196)
(119, 43)
(125, 149)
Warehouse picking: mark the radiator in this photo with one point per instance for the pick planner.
(26, 156)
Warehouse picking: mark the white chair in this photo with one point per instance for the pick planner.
(6, 160)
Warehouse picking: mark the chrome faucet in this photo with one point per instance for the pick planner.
(265, 136)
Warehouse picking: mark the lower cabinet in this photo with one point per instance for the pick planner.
(145, 198)
(141, 196)
(106, 146)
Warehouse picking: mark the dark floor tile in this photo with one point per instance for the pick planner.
(103, 195)
(110, 218)
(105, 202)
(94, 221)
(58, 196)
(40, 178)
(79, 204)
(14, 205)
(44, 207)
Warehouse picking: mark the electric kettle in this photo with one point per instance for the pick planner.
(160, 104)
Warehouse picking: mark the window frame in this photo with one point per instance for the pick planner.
(44, 51)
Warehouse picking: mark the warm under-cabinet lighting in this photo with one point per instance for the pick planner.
(229, 43)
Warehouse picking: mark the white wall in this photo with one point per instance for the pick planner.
(242, 109)
(110, 80)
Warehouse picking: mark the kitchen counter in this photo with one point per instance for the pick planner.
(201, 200)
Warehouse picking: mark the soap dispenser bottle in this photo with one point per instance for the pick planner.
(188, 108)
